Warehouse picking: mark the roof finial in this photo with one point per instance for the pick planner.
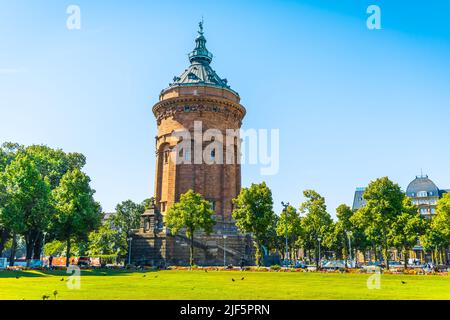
(200, 27)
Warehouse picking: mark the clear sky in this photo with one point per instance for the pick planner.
(351, 104)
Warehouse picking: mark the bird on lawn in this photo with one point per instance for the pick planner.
(242, 278)
(17, 277)
(206, 270)
(233, 280)
(62, 279)
(403, 282)
(144, 276)
(45, 297)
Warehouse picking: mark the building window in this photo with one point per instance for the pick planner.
(213, 205)
(422, 194)
(187, 155)
(187, 108)
(213, 154)
(163, 206)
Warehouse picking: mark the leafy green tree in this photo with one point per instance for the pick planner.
(147, 203)
(8, 152)
(27, 206)
(77, 213)
(407, 227)
(53, 164)
(191, 213)
(127, 216)
(384, 203)
(107, 241)
(343, 227)
(253, 213)
(437, 236)
(270, 239)
(290, 223)
(316, 221)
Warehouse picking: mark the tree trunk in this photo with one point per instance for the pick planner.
(386, 257)
(13, 250)
(37, 250)
(405, 257)
(317, 258)
(191, 250)
(257, 252)
(29, 246)
(3, 238)
(68, 252)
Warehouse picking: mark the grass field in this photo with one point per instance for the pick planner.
(201, 285)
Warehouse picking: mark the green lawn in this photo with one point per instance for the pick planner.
(219, 285)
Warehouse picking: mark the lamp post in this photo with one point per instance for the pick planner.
(224, 251)
(349, 235)
(319, 263)
(43, 245)
(285, 206)
(129, 249)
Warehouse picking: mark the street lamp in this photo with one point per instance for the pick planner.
(129, 249)
(349, 235)
(43, 245)
(224, 250)
(285, 206)
(319, 262)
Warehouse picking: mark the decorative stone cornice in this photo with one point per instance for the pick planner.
(169, 107)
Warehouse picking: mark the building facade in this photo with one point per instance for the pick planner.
(197, 147)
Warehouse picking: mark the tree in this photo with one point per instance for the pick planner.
(27, 204)
(147, 203)
(343, 227)
(77, 213)
(270, 239)
(191, 213)
(107, 241)
(127, 216)
(384, 203)
(253, 213)
(53, 164)
(437, 236)
(289, 224)
(316, 222)
(407, 227)
(8, 153)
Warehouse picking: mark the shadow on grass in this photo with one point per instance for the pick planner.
(5, 274)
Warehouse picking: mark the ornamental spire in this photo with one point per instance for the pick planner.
(200, 53)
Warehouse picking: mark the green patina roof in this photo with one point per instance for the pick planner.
(200, 71)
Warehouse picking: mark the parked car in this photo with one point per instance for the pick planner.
(84, 261)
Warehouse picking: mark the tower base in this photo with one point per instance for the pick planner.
(153, 245)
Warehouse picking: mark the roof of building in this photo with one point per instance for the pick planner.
(358, 200)
(200, 71)
(422, 184)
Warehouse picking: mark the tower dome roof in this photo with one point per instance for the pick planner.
(422, 184)
(200, 72)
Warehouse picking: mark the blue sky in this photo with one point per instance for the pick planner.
(351, 104)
